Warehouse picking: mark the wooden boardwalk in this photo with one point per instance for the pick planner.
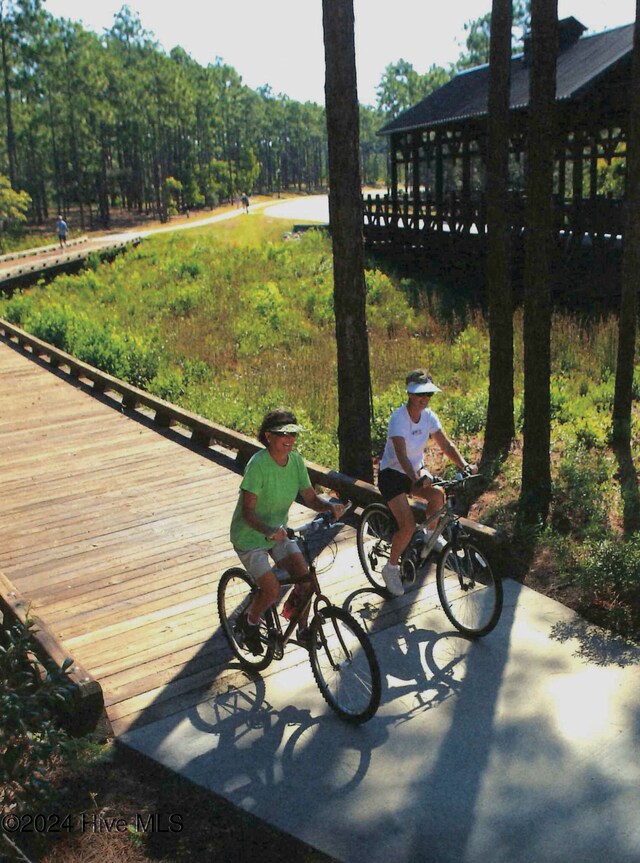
(117, 533)
(24, 267)
(115, 530)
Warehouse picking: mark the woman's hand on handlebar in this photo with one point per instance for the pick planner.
(424, 481)
(337, 510)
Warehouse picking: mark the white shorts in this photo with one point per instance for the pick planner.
(256, 560)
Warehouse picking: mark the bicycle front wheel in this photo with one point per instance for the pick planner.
(470, 594)
(344, 665)
(375, 531)
(235, 592)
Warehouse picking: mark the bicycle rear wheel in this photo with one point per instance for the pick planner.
(376, 528)
(235, 592)
(470, 594)
(344, 665)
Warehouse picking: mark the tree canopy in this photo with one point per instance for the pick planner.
(114, 120)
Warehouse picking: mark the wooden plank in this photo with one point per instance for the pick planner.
(88, 696)
(116, 534)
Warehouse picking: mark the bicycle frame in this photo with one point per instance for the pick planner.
(315, 596)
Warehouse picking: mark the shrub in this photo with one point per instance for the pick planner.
(31, 697)
(609, 570)
(580, 504)
(168, 384)
(51, 324)
(466, 415)
(17, 309)
(387, 309)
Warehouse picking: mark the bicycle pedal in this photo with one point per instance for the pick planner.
(408, 572)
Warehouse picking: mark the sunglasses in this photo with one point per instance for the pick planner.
(284, 434)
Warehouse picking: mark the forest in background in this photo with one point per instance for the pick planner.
(104, 121)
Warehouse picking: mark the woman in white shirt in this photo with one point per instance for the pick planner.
(410, 428)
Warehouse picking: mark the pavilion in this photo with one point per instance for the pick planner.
(437, 151)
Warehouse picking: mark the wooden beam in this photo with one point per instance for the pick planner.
(88, 708)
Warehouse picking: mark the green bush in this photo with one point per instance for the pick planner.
(609, 571)
(466, 415)
(125, 356)
(168, 384)
(52, 325)
(580, 499)
(17, 309)
(387, 308)
(31, 698)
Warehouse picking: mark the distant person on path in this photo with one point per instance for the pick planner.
(402, 471)
(272, 480)
(245, 202)
(63, 230)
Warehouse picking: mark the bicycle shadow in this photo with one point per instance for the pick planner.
(263, 758)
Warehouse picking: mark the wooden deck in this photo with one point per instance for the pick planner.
(116, 532)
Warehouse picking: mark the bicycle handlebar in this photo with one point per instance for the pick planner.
(460, 480)
(323, 518)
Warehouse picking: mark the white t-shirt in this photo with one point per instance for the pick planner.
(416, 436)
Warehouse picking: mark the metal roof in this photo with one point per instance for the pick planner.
(465, 96)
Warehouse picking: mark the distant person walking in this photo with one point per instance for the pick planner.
(63, 230)
(245, 202)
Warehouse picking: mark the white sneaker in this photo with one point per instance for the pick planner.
(391, 576)
(438, 546)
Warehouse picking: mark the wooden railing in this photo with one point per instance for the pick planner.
(40, 250)
(28, 264)
(88, 703)
(389, 219)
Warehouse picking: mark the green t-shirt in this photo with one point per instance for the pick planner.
(275, 488)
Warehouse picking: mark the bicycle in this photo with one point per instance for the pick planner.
(470, 595)
(342, 659)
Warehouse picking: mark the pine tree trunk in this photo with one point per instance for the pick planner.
(630, 259)
(345, 213)
(500, 426)
(539, 243)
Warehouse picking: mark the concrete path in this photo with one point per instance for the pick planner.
(519, 748)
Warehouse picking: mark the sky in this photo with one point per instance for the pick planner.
(279, 42)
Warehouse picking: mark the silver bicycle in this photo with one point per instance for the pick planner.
(470, 595)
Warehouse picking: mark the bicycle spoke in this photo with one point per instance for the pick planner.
(375, 532)
(235, 592)
(471, 597)
(344, 665)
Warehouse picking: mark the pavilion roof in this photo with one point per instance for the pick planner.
(580, 65)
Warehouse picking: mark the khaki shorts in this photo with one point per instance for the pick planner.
(256, 560)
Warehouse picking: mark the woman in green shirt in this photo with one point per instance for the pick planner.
(272, 480)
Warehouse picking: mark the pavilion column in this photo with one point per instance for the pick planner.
(562, 183)
(466, 179)
(593, 168)
(394, 179)
(439, 180)
(577, 186)
(415, 157)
